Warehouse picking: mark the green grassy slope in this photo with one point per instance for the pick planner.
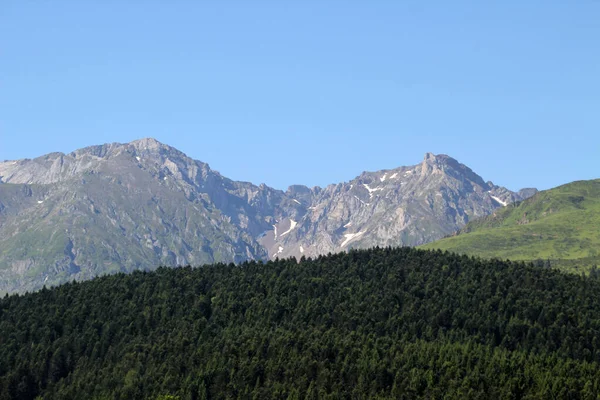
(561, 225)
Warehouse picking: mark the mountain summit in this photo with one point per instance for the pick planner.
(121, 207)
(403, 206)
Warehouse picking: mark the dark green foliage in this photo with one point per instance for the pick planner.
(382, 323)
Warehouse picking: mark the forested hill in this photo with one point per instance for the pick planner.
(381, 323)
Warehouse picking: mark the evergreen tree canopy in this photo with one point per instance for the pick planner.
(380, 323)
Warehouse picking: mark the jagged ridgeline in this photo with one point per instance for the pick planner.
(123, 207)
(381, 323)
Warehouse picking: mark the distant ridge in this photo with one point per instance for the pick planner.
(122, 207)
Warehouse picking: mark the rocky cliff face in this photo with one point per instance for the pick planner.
(121, 207)
(404, 206)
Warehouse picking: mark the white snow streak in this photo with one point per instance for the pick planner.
(366, 204)
(275, 230)
(395, 174)
(296, 201)
(40, 201)
(292, 226)
(348, 224)
(279, 250)
(137, 158)
(500, 201)
(371, 190)
(301, 249)
(350, 236)
(382, 179)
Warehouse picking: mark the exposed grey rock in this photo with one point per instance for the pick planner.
(121, 207)
(404, 206)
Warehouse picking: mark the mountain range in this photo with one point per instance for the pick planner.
(123, 207)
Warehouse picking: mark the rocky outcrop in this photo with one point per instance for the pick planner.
(404, 206)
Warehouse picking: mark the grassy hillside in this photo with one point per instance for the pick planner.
(377, 324)
(561, 225)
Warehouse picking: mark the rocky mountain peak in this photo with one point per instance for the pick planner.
(139, 147)
(152, 147)
(443, 164)
(440, 160)
(429, 158)
(147, 144)
(111, 158)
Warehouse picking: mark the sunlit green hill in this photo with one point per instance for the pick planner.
(561, 225)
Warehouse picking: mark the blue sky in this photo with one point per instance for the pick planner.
(310, 92)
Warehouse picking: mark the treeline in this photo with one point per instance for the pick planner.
(381, 323)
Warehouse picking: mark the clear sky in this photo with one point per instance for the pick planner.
(310, 92)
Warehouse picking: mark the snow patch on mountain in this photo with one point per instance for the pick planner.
(292, 226)
(351, 236)
(357, 198)
(371, 190)
(279, 251)
(500, 201)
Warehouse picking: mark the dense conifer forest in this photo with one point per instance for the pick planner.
(382, 323)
